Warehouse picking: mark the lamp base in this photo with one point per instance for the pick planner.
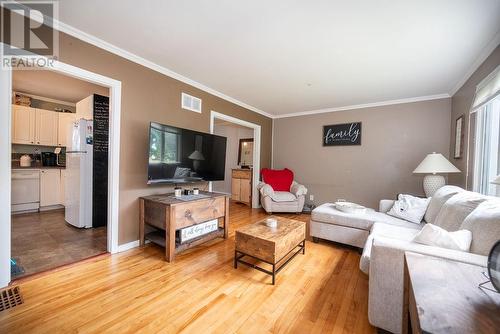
(432, 183)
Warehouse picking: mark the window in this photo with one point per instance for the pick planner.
(486, 148)
(165, 146)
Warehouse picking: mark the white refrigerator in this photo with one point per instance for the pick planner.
(78, 194)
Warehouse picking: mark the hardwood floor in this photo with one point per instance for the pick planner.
(44, 241)
(322, 291)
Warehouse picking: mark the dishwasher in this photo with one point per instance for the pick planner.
(25, 190)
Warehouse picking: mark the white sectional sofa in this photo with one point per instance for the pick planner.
(385, 239)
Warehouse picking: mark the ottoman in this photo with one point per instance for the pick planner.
(347, 228)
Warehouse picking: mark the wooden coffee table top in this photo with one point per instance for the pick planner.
(270, 244)
(262, 231)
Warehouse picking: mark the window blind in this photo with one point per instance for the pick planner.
(487, 90)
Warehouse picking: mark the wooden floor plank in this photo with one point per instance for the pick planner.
(322, 291)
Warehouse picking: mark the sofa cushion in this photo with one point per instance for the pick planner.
(456, 209)
(387, 231)
(279, 180)
(433, 235)
(327, 213)
(484, 223)
(283, 196)
(409, 208)
(440, 197)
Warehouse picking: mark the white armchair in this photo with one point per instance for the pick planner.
(282, 201)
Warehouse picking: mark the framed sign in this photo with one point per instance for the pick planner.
(459, 137)
(342, 134)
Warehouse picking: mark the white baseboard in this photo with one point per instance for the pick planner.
(128, 246)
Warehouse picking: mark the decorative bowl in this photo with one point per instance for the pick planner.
(349, 207)
(271, 222)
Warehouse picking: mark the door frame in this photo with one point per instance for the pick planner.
(114, 87)
(256, 149)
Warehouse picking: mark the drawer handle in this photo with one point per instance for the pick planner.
(187, 214)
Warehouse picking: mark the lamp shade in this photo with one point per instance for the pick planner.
(196, 155)
(496, 180)
(435, 163)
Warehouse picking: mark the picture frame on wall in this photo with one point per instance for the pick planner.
(346, 134)
(459, 137)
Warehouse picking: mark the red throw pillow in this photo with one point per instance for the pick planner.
(279, 180)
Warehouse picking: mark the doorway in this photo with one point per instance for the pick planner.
(247, 129)
(6, 86)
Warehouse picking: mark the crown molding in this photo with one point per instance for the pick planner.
(72, 31)
(93, 40)
(488, 49)
(366, 105)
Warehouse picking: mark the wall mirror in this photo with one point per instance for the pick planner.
(245, 152)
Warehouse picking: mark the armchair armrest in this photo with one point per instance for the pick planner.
(385, 205)
(298, 189)
(265, 189)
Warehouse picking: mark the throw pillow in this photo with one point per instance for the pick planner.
(433, 235)
(409, 208)
(279, 180)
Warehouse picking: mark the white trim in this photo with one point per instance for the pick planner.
(95, 41)
(72, 31)
(114, 154)
(128, 246)
(46, 99)
(5, 174)
(256, 152)
(475, 65)
(366, 105)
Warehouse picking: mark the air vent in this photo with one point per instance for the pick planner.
(9, 298)
(191, 103)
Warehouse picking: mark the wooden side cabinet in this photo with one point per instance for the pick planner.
(241, 186)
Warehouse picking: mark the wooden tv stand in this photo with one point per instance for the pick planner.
(166, 214)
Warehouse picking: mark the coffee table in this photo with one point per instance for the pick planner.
(273, 245)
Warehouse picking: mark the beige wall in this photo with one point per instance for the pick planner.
(150, 96)
(233, 133)
(395, 139)
(460, 105)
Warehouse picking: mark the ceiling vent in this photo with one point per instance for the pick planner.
(191, 103)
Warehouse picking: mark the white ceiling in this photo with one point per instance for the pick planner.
(289, 56)
(54, 86)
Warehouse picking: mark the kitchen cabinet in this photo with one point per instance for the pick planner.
(46, 127)
(64, 122)
(50, 187)
(241, 186)
(23, 125)
(62, 188)
(40, 127)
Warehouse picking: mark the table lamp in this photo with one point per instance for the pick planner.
(434, 164)
(496, 180)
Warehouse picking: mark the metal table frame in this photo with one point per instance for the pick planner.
(276, 269)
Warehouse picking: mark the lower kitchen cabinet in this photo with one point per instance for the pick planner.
(50, 187)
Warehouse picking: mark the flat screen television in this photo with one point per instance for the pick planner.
(184, 156)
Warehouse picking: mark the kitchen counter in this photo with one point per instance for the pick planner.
(15, 165)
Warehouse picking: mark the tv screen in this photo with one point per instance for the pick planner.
(184, 156)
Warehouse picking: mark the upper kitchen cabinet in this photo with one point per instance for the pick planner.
(37, 126)
(65, 120)
(46, 127)
(23, 125)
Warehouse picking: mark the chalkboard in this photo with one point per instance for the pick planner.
(342, 134)
(100, 164)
